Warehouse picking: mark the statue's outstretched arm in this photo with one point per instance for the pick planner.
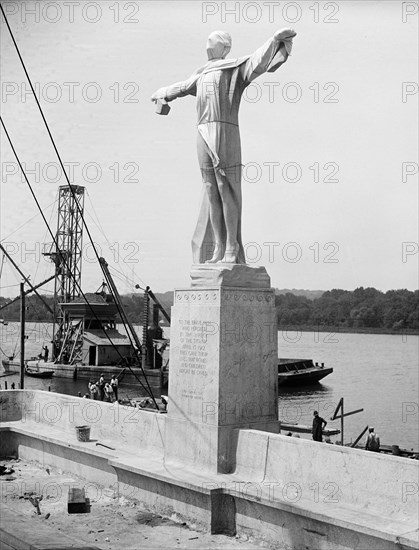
(263, 58)
(179, 89)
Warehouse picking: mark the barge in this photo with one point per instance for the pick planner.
(301, 372)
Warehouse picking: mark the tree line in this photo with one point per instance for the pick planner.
(362, 309)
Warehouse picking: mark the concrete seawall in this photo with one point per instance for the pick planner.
(290, 491)
(126, 427)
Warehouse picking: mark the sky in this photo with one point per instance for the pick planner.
(329, 141)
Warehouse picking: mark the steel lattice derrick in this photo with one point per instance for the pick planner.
(68, 263)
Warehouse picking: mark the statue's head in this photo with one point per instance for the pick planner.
(218, 45)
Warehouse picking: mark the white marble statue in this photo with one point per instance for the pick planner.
(218, 86)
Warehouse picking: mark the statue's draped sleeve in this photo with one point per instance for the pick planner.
(183, 88)
(268, 57)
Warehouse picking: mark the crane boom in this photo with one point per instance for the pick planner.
(26, 278)
(122, 312)
(29, 291)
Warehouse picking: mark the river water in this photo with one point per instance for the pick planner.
(376, 372)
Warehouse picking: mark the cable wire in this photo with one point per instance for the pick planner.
(27, 221)
(66, 177)
(65, 263)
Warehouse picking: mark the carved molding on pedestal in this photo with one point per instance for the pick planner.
(229, 275)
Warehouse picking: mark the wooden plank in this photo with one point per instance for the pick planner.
(339, 406)
(303, 429)
(347, 414)
(359, 437)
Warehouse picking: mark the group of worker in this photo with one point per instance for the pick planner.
(102, 390)
(372, 442)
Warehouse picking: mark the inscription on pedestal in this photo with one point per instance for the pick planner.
(193, 349)
(192, 394)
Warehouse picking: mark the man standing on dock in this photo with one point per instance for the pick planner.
(114, 386)
(373, 441)
(318, 424)
(101, 385)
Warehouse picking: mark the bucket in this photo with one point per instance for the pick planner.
(83, 433)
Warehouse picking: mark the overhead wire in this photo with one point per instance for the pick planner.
(46, 232)
(117, 274)
(65, 263)
(9, 286)
(49, 131)
(99, 226)
(27, 221)
(133, 283)
(4, 353)
(3, 256)
(149, 390)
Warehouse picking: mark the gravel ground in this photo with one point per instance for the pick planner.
(112, 523)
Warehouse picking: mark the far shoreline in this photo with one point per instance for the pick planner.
(350, 330)
(294, 328)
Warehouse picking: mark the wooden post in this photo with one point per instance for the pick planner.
(359, 437)
(145, 325)
(161, 377)
(342, 415)
(22, 335)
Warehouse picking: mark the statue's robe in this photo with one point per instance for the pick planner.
(218, 86)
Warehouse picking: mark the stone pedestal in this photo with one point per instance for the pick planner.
(223, 365)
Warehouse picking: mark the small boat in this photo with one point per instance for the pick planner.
(10, 366)
(294, 427)
(38, 373)
(300, 372)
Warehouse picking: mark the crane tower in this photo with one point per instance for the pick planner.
(67, 256)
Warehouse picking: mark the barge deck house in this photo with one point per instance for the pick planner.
(91, 337)
(91, 345)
